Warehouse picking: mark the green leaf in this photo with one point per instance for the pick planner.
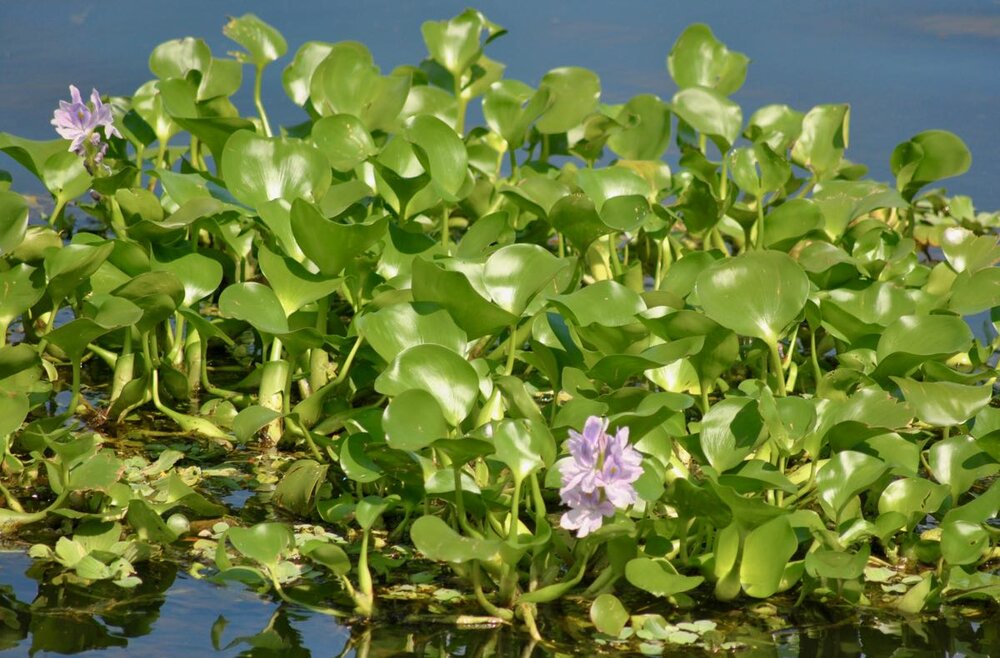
(820, 147)
(437, 541)
(607, 303)
(523, 446)
(847, 474)
(928, 157)
(441, 152)
(344, 141)
(757, 169)
(914, 339)
(959, 462)
(148, 525)
(13, 220)
(437, 370)
(299, 485)
(963, 542)
(255, 304)
(840, 565)
(97, 473)
(454, 292)
(354, 459)
(413, 420)
(516, 273)
(915, 498)
(766, 552)
(369, 509)
(332, 245)
(199, 274)
(14, 408)
(943, 403)
(658, 577)
(294, 285)
(70, 266)
(646, 131)
(698, 59)
(329, 555)
(756, 294)
(348, 82)
(74, 336)
(729, 432)
(264, 543)
(262, 42)
(177, 57)
(259, 169)
(297, 75)
(711, 114)
(20, 287)
(510, 106)
(394, 328)
(573, 94)
(608, 614)
(575, 217)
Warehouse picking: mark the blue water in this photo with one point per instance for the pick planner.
(903, 65)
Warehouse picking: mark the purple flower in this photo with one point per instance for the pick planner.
(78, 122)
(598, 476)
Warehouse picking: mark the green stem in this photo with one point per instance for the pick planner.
(814, 358)
(616, 266)
(758, 241)
(367, 603)
(511, 350)
(477, 589)
(445, 237)
(778, 371)
(57, 210)
(257, 79)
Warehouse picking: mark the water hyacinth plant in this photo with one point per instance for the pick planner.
(411, 337)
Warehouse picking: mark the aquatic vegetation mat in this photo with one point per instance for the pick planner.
(495, 371)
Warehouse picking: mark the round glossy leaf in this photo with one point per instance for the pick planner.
(297, 75)
(757, 169)
(348, 82)
(262, 42)
(436, 540)
(255, 304)
(792, 220)
(711, 114)
(959, 462)
(332, 245)
(766, 552)
(943, 404)
(413, 420)
(392, 329)
(369, 509)
(698, 59)
(158, 294)
(177, 57)
(14, 408)
(344, 141)
(963, 542)
(646, 134)
(453, 291)
(971, 294)
(968, 252)
(776, 125)
(658, 577)
(437, 370)
(199, 274)
(930, 156)
(294, 285)
(259, 169)
(840, 565)
(263, 543)
(249, 421)
(843, 477)
(575, 217)
(608, 614)
(329, 555)
(74, 336)
(824, 137)
(20, 287)
(442, 152)
(13, 220)
(573, 94)
(914, 339)
(729, 432)
(523, 446)
(756, 294)
(454, 44)
(607, 303)
(514, 274)
(356, 462)
(510, 106)
(915, 498)
(70, 266)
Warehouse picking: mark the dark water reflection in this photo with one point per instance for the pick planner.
(172, 614)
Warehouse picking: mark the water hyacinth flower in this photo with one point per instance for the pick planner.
(599, 476)
(79, 123)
